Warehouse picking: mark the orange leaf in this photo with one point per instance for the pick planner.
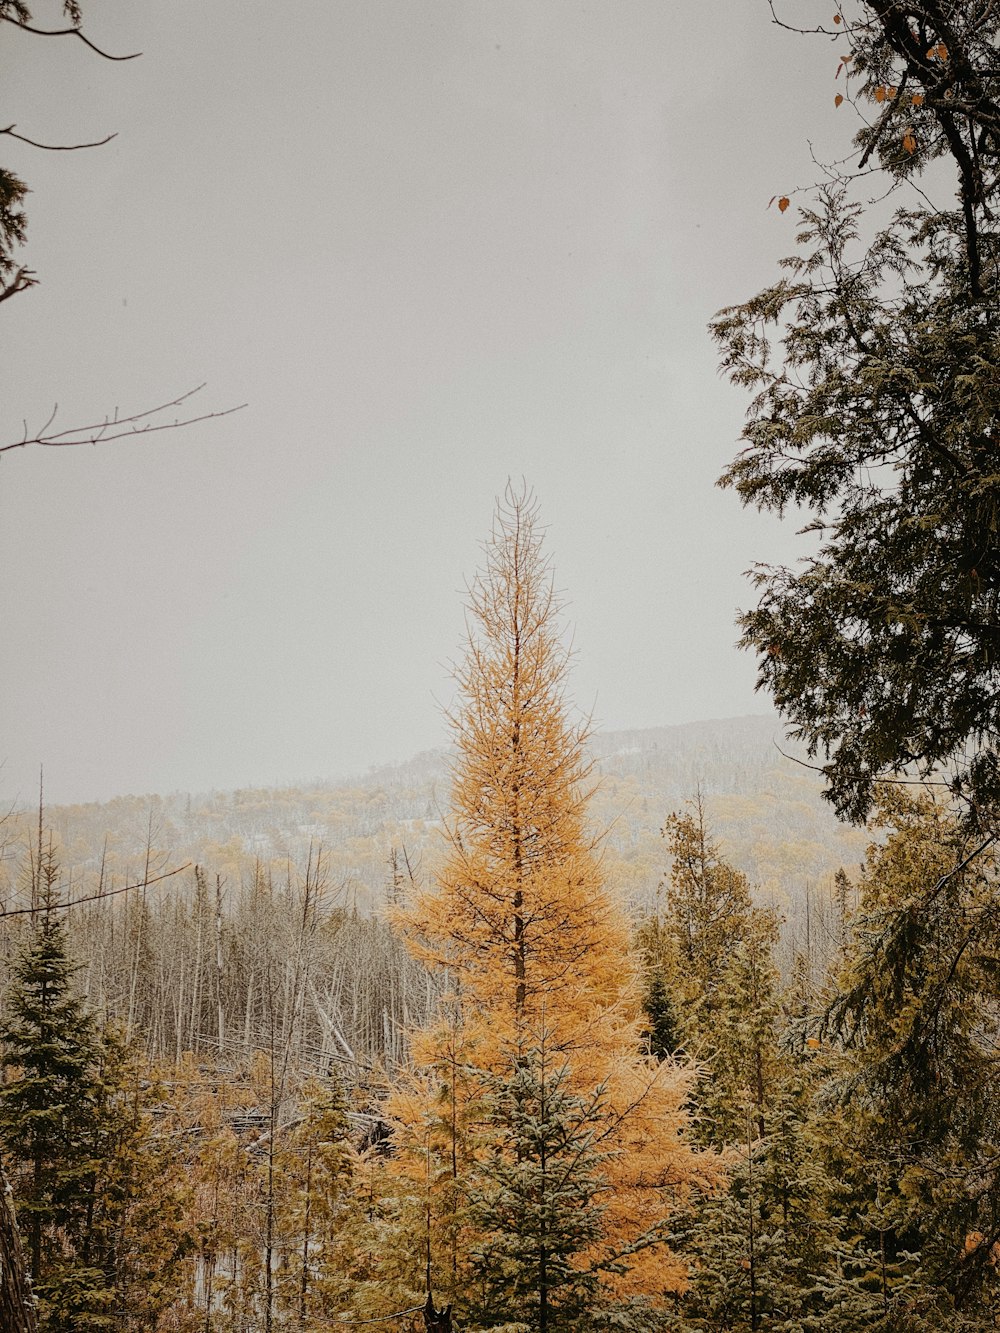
(909, 142)
(783, 203)
(838, 99)
(941, 51)
(880, 94)
(917, 99)
(836, 18)
(891, 92)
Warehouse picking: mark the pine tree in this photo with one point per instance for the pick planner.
(48, 1117)
(873, 365)
(763, 1250)
(139, 1231)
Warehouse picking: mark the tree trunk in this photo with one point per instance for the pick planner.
(17, 1305)
(437, 1321)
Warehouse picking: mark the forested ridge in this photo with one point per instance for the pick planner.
(765, 806)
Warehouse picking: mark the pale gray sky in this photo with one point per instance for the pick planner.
(433, 244)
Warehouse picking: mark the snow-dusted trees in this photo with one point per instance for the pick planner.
(520, 920)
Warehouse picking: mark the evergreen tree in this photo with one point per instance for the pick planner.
(711, 983)
(314, 1171)
(760, 1249)
(101, 1200)
(48, 1120)
(139, 1230)
(918, 1146)
(537, 1199)
(874, 363)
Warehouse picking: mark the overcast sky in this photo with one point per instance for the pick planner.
(432, 244)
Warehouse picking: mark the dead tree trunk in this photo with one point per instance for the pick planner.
(436, 1321)
(17, 1305)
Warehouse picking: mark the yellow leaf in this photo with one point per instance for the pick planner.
(783, 203)
(838, 99)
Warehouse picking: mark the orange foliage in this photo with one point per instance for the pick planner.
(520, 916)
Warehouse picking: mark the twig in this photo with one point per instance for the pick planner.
(57, 147)
(380, 1319)
(115, 427)
(20, 282)
(901, 782)
(66, 32)
(96, 897)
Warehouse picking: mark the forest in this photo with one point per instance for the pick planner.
(555, 1032)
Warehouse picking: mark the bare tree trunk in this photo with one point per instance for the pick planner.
(17, 1305)
(306, 1240)
(436, 1321)
(218, 961)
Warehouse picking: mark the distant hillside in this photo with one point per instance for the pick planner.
(765, 811)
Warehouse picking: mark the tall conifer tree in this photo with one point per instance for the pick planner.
(48, 1112)
(521, 920)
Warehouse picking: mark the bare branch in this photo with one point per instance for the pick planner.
(57, 147)
(820, 30)
(115, 427)
(97, 897)
(66, 32)
(20, 282)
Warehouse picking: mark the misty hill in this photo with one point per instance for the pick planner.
(764, 810)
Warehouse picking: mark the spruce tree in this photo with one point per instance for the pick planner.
(537, 1200)
(100, 1199)
(313, 1171)
(48, 1115)
(711, 983)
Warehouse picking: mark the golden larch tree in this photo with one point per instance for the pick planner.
(530, 938)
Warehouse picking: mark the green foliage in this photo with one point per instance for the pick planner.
(761, 1250)
(916, 1081)
(878, 417)
(538, 1203)
(48, 1119)
(875, 368)
(711, 985)
(313, 1175)
(662, 1028)
(98, 1198)
(13, 222)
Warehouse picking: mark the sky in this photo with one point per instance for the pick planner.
(432, 245)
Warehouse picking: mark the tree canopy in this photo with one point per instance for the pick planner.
(874, 366)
